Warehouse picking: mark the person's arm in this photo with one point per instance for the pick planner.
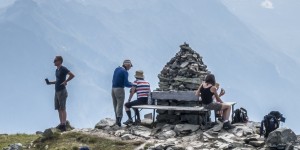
(126, 82)
(132, 91)
(51, 82)
(222, 93)
(214, 90)
(70, 77)
(198, 91)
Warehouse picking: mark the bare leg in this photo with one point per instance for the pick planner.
(226, 111)
(60, 116)
(64, 116)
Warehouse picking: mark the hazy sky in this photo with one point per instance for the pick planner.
(253, 53)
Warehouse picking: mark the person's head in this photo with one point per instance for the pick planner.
(139, 74)
(58, 60)
(210, 79)
(127, 64)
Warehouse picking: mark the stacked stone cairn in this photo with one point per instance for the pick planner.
(184, 72)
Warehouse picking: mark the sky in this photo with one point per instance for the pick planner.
(251, 47)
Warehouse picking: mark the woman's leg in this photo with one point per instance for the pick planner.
(226, 111)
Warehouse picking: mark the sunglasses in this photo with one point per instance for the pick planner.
(55, 60)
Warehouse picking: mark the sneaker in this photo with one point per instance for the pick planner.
(228, 126)
(129, 121)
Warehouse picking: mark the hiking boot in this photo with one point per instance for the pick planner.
(227, 126)
(138, 121)
(221, 119)
(59, 127)
(129, 121)
(119, 119)
(63, 128)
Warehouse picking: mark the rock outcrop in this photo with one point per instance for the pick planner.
(192, 137)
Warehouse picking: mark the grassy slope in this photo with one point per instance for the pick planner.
(68, 141)
(25, 139)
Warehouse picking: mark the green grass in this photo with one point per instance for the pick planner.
(68, 141)
(72, 141)
(24, 139)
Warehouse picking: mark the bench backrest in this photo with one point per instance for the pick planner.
(174, 95)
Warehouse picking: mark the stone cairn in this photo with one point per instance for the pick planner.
(184, 72)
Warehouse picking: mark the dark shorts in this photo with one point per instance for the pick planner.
(139, 101)
(60, 99)
(213, 106)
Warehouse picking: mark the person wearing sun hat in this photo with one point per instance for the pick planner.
(142, 88)
(119, 82)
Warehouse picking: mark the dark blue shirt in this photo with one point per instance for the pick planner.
(120, 78)
(61, 75)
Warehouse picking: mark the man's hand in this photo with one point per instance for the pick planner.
(64, 83)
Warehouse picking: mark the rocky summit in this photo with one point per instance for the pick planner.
(192, 137)
(106, 136)
(184, 72)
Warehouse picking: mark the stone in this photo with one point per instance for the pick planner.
(189, 148)
(107, 122)
(16, 146)
(128, 137)
(184, 64)
(257, 143)
(119, 133)
(188, 80)
(51, 132)
(141, 131)
(166, 135)
(184, 128)
(39, 133)
(281, 136)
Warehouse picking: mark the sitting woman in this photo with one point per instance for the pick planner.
(142, 89)
(207, 90)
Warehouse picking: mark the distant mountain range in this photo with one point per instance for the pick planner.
(95, 36)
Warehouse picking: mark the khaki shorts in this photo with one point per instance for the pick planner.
(60, 99)
(213, 106)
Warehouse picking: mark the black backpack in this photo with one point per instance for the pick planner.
(240, 116)
(270, 123)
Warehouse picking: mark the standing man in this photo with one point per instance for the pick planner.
(61, 93)
(119, 82)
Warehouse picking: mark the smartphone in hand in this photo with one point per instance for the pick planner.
(47, 81)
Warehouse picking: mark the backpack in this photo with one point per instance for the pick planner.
(270, 123)
(240, 116)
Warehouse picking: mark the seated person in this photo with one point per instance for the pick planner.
(207, 90)
(142, 89)
(222, 92)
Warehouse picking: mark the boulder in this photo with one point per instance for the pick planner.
(166, 135)
(51, 132)
(107, 122)
(186, 128)
(16, 146)
(128, 137)
(281, 136)
(257, 143)
(141, 131)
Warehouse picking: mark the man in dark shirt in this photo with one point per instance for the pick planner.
(61, 93)
(120, 80)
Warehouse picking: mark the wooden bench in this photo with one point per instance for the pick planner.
(178, 96)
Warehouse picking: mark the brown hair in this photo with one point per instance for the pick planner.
(60, 58)
(210, 79)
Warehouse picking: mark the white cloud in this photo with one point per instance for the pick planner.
(267, 4)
